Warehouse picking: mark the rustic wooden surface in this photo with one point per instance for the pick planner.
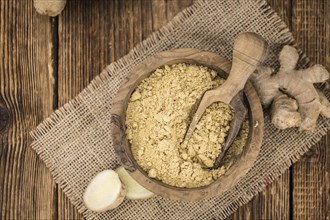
(44, 62)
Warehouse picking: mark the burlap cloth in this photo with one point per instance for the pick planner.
(75, 142)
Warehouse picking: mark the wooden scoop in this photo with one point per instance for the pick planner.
(249, 51)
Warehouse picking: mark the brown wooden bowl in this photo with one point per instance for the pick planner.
(123, 149)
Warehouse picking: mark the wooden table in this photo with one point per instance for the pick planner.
(45, 62)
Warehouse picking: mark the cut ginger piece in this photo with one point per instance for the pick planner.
(104, 192)
(134, 189)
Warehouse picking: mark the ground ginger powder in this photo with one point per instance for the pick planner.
(157, 118)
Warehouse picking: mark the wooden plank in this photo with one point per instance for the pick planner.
(86, 45)
(159, 15)
(311, 190)
(176, 6)
(274, 201)
(26, 88)
(310, 186)
(283, 8)
(146, 18)
(92, 34)
(327, 138)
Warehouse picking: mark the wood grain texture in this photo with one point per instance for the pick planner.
(88, 40)
(274, 201)
(311, 190)
(43, 65)
(26, 88)
(173, 7)
(93, 34)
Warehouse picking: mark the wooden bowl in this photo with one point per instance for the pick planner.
(123, 149)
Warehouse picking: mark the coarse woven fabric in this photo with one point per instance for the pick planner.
(75, 142)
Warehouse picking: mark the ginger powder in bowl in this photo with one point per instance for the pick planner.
(157, 118)
(150, 115)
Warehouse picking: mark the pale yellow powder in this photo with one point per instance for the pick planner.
(157, 118)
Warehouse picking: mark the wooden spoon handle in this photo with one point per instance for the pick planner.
(250, 49)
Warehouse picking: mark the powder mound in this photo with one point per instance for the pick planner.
(157, 118)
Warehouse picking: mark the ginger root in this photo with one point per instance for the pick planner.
(49, 7)
(276, 90)
(284, 111)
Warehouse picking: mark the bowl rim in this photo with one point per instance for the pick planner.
(122, 146)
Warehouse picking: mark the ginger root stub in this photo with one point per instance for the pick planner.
(157, 118)
(294, 100)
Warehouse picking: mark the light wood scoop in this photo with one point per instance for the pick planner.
(250, 49)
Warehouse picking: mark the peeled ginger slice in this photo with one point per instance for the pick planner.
(134, 190)
(104, 192)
